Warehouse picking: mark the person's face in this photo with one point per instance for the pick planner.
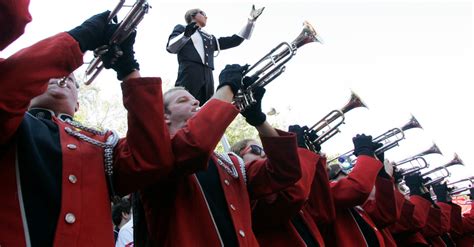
(182, 106)
(200, 18)
(58, 99)
(253, 151)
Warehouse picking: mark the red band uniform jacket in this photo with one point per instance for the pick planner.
(14, 16)
(383, 210)
(176, 208)
(348, 193)
(407, 230)
(273, 215)
(83, 213)
(467, 239)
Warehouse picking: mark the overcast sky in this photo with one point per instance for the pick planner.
(401, 57)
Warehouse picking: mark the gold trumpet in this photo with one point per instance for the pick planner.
(274, 66)
(455, 161)
(417, 161)
(389, 139)
(126, 27)
(323, 128)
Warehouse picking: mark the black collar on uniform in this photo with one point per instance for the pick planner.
(48, 114)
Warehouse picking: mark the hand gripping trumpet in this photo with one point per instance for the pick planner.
(126, 27)
(272, 65)
(417, 161)
(323, 128)
(389, 139)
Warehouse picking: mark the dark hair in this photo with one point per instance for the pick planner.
(188, 17)
(123, 206)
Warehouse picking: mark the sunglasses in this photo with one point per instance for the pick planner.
(200, 12)
(254, 149)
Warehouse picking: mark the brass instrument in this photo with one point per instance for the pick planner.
(126, 27)
(461, 189)
(455, 161)
(417, 161)
(470, 179)
(274, 66)
(323, 128)
(389, 139)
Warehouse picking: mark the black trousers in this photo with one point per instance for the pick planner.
(197, 79)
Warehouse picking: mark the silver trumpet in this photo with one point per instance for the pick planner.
(417, 161)
(455, 161)
(272, 65)
(389, 139)
(323, 128)
(461, 189)
(126, 27)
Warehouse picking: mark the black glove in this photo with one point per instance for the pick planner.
(471, 195)
(312, 136)
(253, 114)
(397, 175)
(441, 192)
(414, 181)
(121, 57)
(363, 145)
(231, 76)
(190, 29)
(91, 33)
(300, 132)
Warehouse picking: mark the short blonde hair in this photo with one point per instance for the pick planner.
(166, 101)
(188, 17)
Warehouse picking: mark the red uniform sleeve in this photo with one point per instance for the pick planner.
(279, 170)
(445, 216)
(433, 223)
(468, 224)
(420, 214)
(25, 74)
(14, 16)
(456, 221)
(193, 145)
(145, 155)
(405, 221)
(356, 187)
(280, 207)
(320, 203)
(383, 210)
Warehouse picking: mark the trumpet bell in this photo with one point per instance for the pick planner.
(413, 123)
(307, 35)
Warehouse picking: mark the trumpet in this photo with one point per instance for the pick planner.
(323, 128)
(272, 65)
(455, 161)
(417, 161)
(126, 27)
(470, 179)
(389, 139)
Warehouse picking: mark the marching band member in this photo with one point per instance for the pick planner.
(353, 226)
(467, 238)
(195, 49)
(445, 205)
(407, 231)
(14, 16)
(286, 218)
(206, 201)
(54, 187)
(382, 205)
